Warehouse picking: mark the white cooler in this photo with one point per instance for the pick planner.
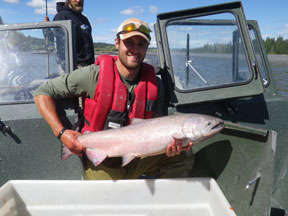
(167, 197)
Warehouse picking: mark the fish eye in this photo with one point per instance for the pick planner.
(209, 123)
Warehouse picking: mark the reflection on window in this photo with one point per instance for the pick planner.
(29, 58)
(205, 53)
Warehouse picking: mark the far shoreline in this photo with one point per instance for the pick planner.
(278, 59)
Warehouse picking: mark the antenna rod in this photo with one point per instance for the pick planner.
(46, 9)
(47, 49)
(187, 59)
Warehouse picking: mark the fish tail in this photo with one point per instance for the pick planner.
(65, 152)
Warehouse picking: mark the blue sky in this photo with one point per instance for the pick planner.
(105, 16)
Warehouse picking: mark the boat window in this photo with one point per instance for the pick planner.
(259, 56)
(29, 58)
(204, 54)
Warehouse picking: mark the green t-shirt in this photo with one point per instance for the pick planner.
(83, 82)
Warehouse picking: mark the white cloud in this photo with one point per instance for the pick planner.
(36, 3)
(11, 1)
(153, 9)
(113, 30)
(127, 12)
(42, 10)
(132, 11)
(40, 6)
(284, 32)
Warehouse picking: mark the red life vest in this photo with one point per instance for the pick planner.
(109, 107)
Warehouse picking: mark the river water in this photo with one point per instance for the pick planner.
(278, 63)
(279, 66)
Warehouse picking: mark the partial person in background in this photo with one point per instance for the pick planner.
(84, 48)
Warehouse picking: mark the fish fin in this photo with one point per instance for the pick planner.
(95, 156)
(65, 152)
(127, 159)
(136, 120)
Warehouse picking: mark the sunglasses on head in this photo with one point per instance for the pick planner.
(132, 27)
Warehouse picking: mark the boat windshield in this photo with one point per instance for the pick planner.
(207, 52)
(28, 58)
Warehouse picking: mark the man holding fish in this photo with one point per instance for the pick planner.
(119, 91)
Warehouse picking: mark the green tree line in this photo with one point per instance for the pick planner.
(110, 48)
(271, 45)
(214, 48)
(276, 46)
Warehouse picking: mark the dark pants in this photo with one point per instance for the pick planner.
(159, 166)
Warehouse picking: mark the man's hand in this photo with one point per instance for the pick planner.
(175, 147)
(46, 19)
(69, 139)
(47, 108)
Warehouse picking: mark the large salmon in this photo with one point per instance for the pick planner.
(147, 137)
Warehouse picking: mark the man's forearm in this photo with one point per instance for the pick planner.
(47, 108)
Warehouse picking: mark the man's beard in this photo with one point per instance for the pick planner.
(77, 8)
